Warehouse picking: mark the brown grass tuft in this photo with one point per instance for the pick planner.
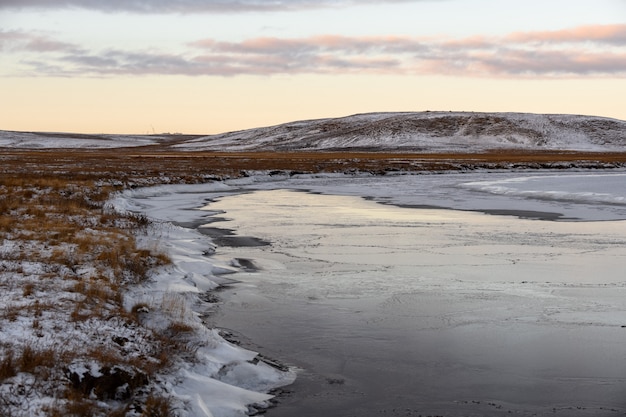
(8, 367)
(28, 289)
(177, 328)
(158, 407)
(31, 359)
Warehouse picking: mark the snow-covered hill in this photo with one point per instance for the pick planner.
(413, 131)
(34, 140)
(427, 132)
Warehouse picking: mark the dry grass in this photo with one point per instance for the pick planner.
(157, 407)
(175, 305)
(151, 165)
(8, 367)
(31, 359)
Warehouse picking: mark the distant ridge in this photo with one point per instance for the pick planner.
(427, 132)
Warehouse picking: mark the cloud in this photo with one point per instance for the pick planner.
(598, 51)
(186, 6)
(19, 40)
(611, 34)
(300, 46)
(582, 51)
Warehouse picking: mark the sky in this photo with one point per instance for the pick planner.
(212, 66)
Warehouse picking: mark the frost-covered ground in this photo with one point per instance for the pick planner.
(567, 196)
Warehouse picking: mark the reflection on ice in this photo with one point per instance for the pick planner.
(590, 189)
(433, 311)
(536, 195)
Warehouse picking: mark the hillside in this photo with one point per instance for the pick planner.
(423, 132)
(427, 132)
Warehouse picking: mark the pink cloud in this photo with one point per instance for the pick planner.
(577, 52)
(18, 40)
(613, 34)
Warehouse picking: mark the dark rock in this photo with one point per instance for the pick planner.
(108, 383)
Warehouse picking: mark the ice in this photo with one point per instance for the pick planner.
(530, 270)
(589, 189)
(433, 311)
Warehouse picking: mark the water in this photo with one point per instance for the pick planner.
(402, 311)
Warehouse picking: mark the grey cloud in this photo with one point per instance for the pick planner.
(557, 63)
(605, 34)
(18, 40)
(117, 62)
(302, 46)
(187, 6)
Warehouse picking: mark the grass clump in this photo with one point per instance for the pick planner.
(157, 407)
(8, 367)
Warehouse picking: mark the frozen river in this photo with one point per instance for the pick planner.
(392, 310)
(475, 294)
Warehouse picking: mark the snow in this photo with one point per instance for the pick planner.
(42, 310)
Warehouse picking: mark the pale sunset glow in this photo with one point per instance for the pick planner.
(210, 66)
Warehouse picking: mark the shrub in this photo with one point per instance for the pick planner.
(28, 289)
(157, 407)
(31, 359)
(7, 365)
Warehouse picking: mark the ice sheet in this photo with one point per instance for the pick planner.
(430, 311)
(537, 273)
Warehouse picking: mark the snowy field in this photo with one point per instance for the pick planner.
(510, 300)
